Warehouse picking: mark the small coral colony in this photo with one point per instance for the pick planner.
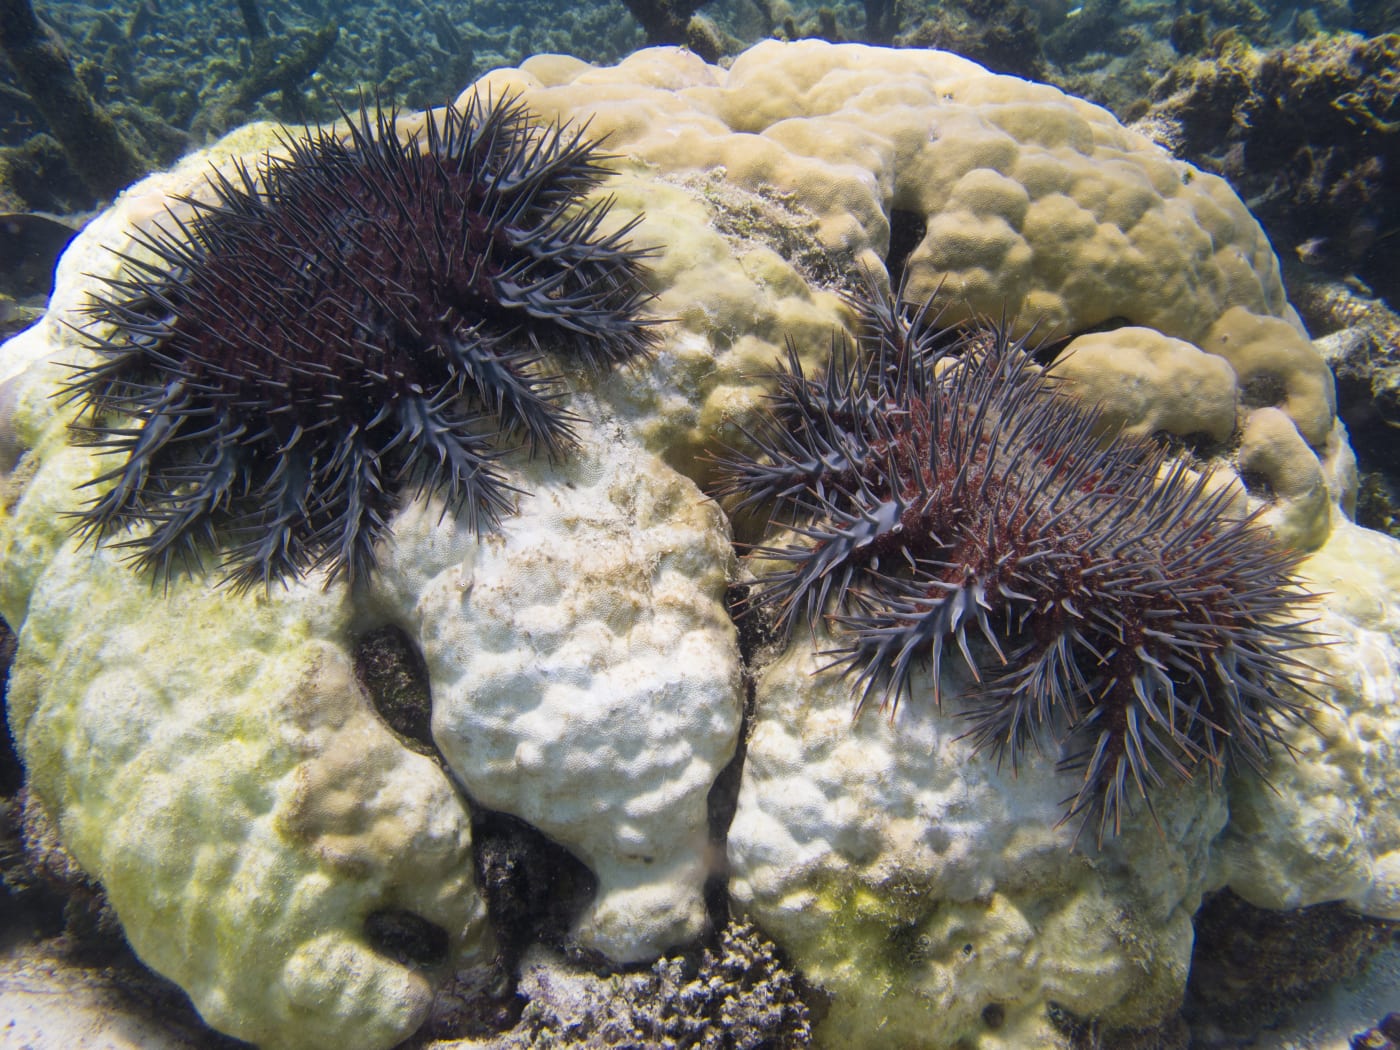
(368, 318)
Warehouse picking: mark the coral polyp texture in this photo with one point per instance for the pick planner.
(362, 316)
(943, 494)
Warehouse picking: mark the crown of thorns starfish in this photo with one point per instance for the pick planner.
(363, 318)
(934, 491)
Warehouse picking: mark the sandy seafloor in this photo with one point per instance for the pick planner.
(47, 1005)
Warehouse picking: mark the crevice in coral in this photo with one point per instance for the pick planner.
(775, 220)
(11, 768)
(723, 799)
(720, 805)
(1082, 1033)
(407, 937)
(1045, 344)
(1262, 391)
(759, 642)
(1257, 484)
(392, 672)
(47, 882)
(758, 639)
(534, 888)
(1198, 445)
(907, 229)
(1046, 349)
(1251, 967)
(31, 907)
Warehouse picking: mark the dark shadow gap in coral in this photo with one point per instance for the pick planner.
(907, 229)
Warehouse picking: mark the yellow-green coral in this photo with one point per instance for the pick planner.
(1147, 383)
(1025, 202)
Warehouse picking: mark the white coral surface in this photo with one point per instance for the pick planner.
(921, 884)
(585, 676)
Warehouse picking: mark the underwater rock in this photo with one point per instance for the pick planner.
(266, 839)
(1308, 134)
(733, 995)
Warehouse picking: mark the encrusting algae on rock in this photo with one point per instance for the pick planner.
(210, 758)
